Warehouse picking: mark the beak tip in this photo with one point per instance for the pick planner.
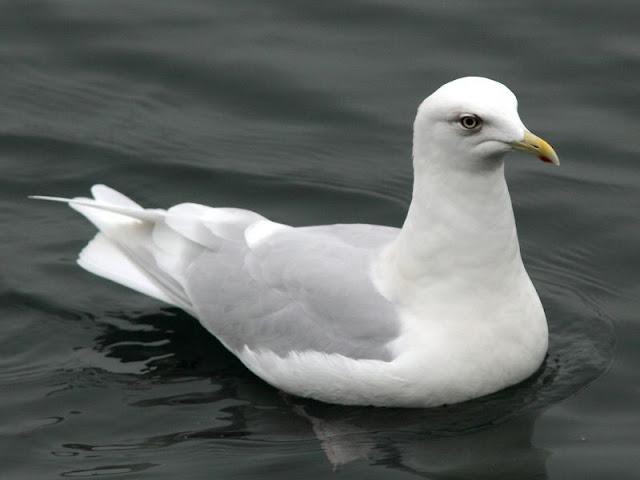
(553, 160)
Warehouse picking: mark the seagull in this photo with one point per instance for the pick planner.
(439, 311)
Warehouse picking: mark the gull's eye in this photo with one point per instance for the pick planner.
(470, 122)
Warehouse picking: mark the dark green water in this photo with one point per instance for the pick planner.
(302, 111)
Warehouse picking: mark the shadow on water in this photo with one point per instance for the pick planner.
(490, 437)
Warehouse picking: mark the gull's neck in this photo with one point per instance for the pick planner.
(459, 232)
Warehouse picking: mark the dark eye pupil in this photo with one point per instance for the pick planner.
(470, 122)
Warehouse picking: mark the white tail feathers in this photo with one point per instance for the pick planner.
(104, 258)
(151, 250)
(124, 250)
(137, 212)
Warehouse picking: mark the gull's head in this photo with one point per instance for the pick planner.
(470, 123)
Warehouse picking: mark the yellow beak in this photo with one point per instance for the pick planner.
(534, 144)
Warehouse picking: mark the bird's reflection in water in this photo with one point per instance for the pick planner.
(488, 437)
(503, 450)
(484, 438)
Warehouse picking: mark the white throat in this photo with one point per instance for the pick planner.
(459, 237)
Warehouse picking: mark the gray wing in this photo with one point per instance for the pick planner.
(300, 289)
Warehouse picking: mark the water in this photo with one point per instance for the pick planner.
(303, 110)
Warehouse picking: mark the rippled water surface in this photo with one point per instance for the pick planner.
(303, 111)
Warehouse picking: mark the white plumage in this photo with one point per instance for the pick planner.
(437, 312)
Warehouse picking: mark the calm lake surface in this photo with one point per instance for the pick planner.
(303, 111)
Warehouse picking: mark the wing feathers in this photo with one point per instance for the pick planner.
(150, 250)
(145, 215)
(108, 195)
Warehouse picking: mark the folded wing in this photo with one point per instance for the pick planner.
(251, 282)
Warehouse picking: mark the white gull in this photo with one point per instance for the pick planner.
(437, 312)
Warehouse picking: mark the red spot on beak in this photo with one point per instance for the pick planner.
(545, 159)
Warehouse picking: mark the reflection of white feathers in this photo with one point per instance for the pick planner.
(437, 312)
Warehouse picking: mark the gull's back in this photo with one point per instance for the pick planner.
(298, 290)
